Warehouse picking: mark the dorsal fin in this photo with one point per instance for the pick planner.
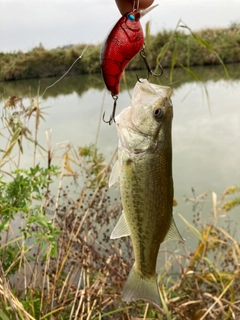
(173, 233)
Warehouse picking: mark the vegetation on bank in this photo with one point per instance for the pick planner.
(56, 258)
(205, 47)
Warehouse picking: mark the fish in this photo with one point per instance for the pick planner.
(144, 173)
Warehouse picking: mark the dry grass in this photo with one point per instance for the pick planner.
(61, 263)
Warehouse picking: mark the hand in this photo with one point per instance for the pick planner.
(125, 6)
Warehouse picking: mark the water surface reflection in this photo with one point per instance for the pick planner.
(206, 129)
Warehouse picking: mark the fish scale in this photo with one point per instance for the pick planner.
(144, 167)
(149, 189)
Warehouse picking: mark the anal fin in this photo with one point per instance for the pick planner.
(121, 229)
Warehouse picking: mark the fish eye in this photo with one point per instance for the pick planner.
(158, 113)
(131, 16)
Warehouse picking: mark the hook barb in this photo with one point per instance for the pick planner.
(150, 72)
(112, 116)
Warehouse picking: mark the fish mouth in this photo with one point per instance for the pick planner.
(138, 125)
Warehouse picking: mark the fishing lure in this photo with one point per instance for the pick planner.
(122, 44)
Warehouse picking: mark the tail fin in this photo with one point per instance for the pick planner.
(137, 287)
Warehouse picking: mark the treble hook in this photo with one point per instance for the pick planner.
(150, 72)
(112, 117)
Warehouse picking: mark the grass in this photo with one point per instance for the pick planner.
(56, 259)
(204, 47)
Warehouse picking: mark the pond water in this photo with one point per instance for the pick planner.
(206, 124)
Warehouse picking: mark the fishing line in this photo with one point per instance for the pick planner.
(79, 58)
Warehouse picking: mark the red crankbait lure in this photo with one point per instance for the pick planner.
(124, 41)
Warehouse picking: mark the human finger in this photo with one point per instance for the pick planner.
(125, 6)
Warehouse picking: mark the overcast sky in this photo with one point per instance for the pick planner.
(26, 23)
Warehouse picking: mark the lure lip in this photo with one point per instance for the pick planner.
(145, 11)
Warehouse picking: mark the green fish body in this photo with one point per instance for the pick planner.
(144, 170)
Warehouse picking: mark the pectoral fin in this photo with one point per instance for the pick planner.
(114, 177)
(121, 229)
(173, 233)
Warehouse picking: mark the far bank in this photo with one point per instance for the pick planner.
(180, 47)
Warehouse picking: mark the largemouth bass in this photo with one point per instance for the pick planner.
(144, 170)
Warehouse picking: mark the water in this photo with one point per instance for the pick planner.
(206, 129)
